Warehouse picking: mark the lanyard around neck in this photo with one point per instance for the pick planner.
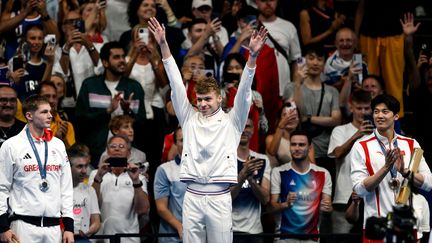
(42, 170)
(393, 170)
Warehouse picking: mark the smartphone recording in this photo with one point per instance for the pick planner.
(369, 119)
(117, 162)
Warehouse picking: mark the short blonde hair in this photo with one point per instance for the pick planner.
(206, 85)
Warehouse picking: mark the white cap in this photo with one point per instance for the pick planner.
(200, 3)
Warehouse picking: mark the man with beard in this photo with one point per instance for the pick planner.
(300, 190)
(9, 125)
(105, 96)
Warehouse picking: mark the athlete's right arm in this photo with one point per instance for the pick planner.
(178, 94)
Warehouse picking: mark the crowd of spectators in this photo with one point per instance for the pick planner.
(101, 69)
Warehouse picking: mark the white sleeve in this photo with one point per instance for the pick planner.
(359, 171)
(275, 181)
(294, 46)
(425, 171)
(66, 186)
(336, 140)
(6, 175)
(327, 189)
(243, 99)
(94, 203)
(267, 169)
(179, 97)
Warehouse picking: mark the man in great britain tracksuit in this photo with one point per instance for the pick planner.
(35, 181)
(211, 137)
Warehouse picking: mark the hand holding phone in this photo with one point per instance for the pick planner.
(17, 63)
(358, 61)
(80, 25)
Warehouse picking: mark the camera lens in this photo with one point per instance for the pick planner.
(141, 30)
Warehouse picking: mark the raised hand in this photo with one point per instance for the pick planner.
(125, 104)
(257, 41)
(49, 53)
(213, 27)
(157, 30)
(408, 24)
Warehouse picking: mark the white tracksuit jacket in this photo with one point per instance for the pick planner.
(209, 143)
(20, 178)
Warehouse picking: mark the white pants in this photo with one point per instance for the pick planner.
(207, 218)
(28, 233)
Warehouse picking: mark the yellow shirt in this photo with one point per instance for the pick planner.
(69, 139)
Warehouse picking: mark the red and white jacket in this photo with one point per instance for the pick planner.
(367, 158)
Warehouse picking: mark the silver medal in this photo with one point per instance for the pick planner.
(394, 184)
(44, 186)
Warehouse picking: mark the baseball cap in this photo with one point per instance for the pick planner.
(199, 3)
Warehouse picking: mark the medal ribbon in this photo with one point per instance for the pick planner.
(42, 170)
(393, 170)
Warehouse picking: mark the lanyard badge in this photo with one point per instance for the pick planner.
(43, 185)
(394, 182)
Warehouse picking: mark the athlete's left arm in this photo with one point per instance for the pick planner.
(423, 179)
(243, 99)
(66, 192)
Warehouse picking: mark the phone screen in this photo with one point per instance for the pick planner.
(17, 63)
(117, 162)
(369, 119)
(143, 34)
(3, 74)
(79, 24)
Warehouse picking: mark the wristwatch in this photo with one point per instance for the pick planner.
(138, 185)
(309, 118)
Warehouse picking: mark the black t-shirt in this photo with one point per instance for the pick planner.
(423, 129)
(30, 82)
(381, 18)
(8, 132)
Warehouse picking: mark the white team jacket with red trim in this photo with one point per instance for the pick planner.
(20, 178)
(209, 143)
(367, 158)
